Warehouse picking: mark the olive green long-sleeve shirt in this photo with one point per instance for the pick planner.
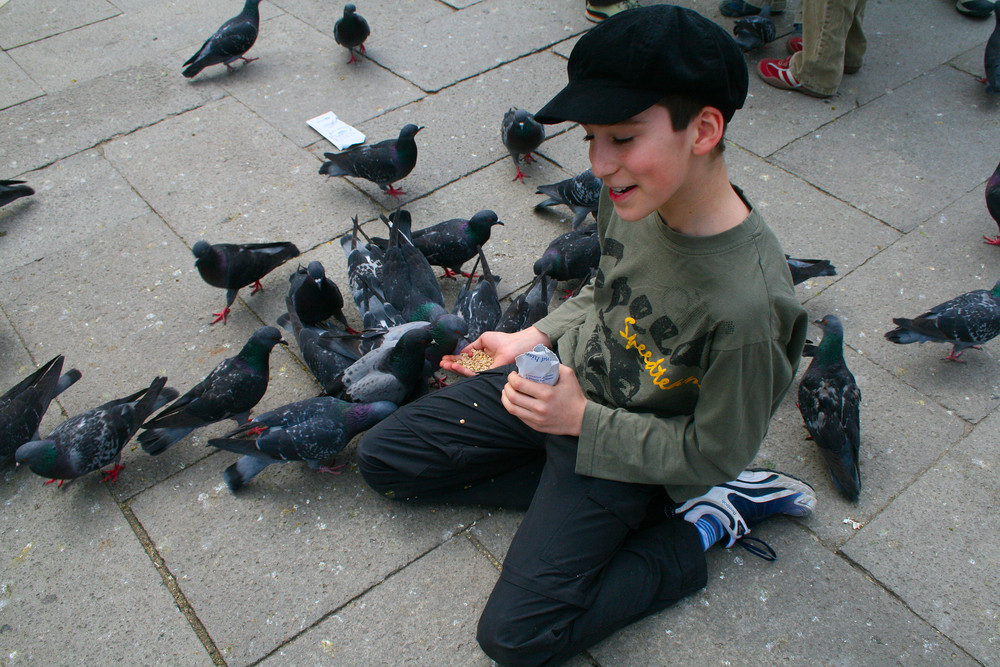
(684, 347)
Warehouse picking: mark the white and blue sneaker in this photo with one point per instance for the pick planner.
(749, 499)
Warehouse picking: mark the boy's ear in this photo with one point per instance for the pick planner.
(711, 127)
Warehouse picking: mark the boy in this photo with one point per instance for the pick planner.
(676, 357)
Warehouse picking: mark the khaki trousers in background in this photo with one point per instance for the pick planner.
(832, 40)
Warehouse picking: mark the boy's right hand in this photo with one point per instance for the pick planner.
(503, 347)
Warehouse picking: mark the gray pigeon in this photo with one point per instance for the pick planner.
(572, 255)
(326, 353)
(386, 373)
(11, 190)
(95, 438)
(528, 307)
(364, 274)
(408, 281)
(993, 202)
(754, 31)
(314, 430)
(991, 57)
(351, 31)
(229, 392)
(521, 134)
(233, 266)
(581, 193)
(233, 39)
(24, 405)
(479, 306)
(383, 163)
(968, 320)
(830, 403)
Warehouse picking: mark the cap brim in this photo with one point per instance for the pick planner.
(590, 103)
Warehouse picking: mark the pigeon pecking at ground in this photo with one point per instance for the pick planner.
(521, 134)
(993, 202)
(229, 392)
(383, 163)
(231, 41)
(572, 255)
(804, 269)
(968, 320)
(93, 439)
(386, 373)
(315, 297)
(753, 32)
(13, 190)
(325, 353)
(581, 193)
(233, 266)
(830, 403)
(351, 31)
(314, 430)
(23, 405)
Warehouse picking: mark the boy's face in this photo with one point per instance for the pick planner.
(643, 161)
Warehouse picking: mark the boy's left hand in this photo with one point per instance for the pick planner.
(554, 409)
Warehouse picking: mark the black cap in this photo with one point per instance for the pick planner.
(634, 59)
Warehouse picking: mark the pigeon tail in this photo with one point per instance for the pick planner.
(158, 440)
(241, 472)
(67, 380)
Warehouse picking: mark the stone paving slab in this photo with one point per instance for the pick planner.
(425, 614)
(461, 124)
(64, 210)
(754, 612)
(15, 84)
(286, 101)
(24, 21)
(462, 44)
(41, 131)
(941, 259)
(236, 179)
(902, 434)
(76, 585)
(291, 547)
(907, 173)
(946, 572)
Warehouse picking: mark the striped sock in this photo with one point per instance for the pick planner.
(710, 529)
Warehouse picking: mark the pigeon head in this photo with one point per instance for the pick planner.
(40, 456)
(409, 131)
(349, 9)
(831, 324)
(316, 272)
(485, 218)
(447, 331)
(365, 415)
(831, 348)
(201, 249)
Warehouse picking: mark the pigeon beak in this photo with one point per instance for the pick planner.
(419, 128)
(499, 222)
(282, 341)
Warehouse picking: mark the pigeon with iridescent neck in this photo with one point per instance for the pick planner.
(231, 41)
(384, 163)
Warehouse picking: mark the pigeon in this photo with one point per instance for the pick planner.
(24, 404)
(753, 32)
(528, 307)
(830, 403)
(95, 438)
(231, 266)
(314, 296)
(991, 57)
(993, 202)
(581, 193)
(451, 243)
(11, 190)
(521, 134)
(229, 392)
(572, 255)
(968, 320)
(233, 39)
(804, 269)
(351, 31)
(383, 163)
(364, 274)
(386, 373)
(408, 281)
(479, 306)
(314, 430)
(325, 353)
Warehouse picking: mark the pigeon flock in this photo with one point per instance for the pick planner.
(366, 375)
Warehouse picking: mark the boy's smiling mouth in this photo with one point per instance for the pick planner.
(617, 193)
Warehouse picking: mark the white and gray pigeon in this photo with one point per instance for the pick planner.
(580, 193)
(229, 392)
(314, 430)
(968, 320)
(386, 373)
(364, 275)
(93, 439)
(384, 163)
(231, 41)
(351, 31)
(830, 403)
(522, 135)
(479, 306)
(23, 405)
